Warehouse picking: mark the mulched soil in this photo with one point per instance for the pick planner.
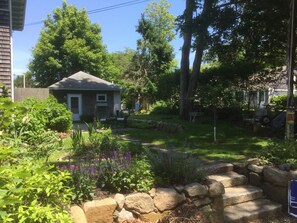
(100, 194)
(187, 213)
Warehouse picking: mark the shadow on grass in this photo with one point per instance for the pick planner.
(233, 142)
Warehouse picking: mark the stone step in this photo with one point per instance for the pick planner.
(229, 179)
(216, 168)
(240, 194)
(251, 210)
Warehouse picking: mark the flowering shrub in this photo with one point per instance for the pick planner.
(84, 176)
(115, 171)
(121, 173)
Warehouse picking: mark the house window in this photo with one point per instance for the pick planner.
(101, 98)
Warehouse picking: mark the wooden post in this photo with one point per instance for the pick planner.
(290, 72)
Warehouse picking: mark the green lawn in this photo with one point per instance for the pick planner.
(234, 142)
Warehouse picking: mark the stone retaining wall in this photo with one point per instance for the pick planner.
(162, 126)
(152, 206)
(272, 180)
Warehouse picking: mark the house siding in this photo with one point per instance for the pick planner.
(88, 100)
(5, 44)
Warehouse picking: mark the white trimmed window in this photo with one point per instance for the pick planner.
(101, 98)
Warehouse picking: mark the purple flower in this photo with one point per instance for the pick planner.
(72, 167)
(92, 170)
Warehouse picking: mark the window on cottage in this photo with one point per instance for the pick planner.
(101, 98)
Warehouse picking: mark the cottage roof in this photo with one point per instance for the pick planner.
(269, 78)
(84, 81)
(18, 8)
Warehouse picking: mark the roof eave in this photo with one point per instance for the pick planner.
(81, 89)
(18, 14)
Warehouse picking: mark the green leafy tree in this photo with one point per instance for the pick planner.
(252, 32)
(68, 43)
(122, 60)
(259, 34)
(29, 82)
(154, 56)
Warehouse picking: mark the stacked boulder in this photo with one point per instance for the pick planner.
(273, 180)
(152, 206)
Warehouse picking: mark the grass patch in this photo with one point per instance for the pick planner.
(233, 142)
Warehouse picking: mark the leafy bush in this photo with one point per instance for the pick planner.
(171, 169)
(96, 143)
(38, 144)
(164, 107)
(31, 191)
(280, 102)
(33, 116)
(43, 144)
(56, 116)
(122, 174)
(280, 152)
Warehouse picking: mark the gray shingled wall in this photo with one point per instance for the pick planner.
(5, 50)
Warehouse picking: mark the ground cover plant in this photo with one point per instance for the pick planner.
(280, 153)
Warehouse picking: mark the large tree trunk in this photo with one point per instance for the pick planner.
(201, 43)
(185, 59)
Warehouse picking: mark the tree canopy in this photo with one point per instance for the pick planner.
(68, 43)
(230, 32)
(155, 54)
(144, 70)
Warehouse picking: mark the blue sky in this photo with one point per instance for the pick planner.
(118, 25)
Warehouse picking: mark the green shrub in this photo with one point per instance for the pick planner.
(59, 118)
(96, 143)
(121, 174)
(60, 124)
(164, 107)
(280, 102)
(141, 175)
(31, 191)
(170, 169)
(280, 152)
(43, 144)
(36, 142)
(33, 115)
